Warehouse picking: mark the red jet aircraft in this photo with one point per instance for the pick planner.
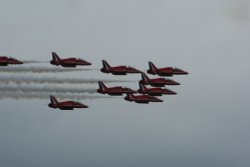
(69, 62)
(167, 71)
(157, 82)
(141, 98)
(118, 70)
(155, 91)
(5, 61)
(118, 90)
(65, 105)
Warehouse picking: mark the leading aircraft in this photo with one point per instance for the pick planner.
(141, 98)
(65, 105)
(68, 62)
(155, 91)
(118, 90)
(156, 82)
(5, 61)
(118, 70)
(166, 71)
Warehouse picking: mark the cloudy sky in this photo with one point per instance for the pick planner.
(206, 124)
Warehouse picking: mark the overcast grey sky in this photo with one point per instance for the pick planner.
(206, 124)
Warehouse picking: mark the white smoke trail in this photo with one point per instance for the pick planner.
(45, 95)
(46, 89)
(33, 61)
(33, 69)
(52, 80)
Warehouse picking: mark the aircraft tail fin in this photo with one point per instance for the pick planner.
(105, 64)
(102, 86)
(53, 100)
(144, 77)
(152, 67)
(142, 87)
(55, 57)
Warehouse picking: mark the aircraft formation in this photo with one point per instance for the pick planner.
(146, 94)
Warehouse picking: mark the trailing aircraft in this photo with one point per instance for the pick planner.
(141, 98)
(68, 62)
(166, 71)
(5, 61)
(65, 105)
(157, 82)
(118, 90)
(117, 70)
(154, 91)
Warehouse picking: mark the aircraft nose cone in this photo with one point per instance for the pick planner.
(82, 62)
(137, 71)
(19, 62)
(177, 83)
(172, 92)
(83, 106)
(134, 70)
(180, 72)
(184, 72)
(174, 83)
(159, 100)
(87, 63)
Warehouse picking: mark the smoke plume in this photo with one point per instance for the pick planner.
(45, 95)
(33, 69)
(45, 89)
(33, 61)
(50, 80)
